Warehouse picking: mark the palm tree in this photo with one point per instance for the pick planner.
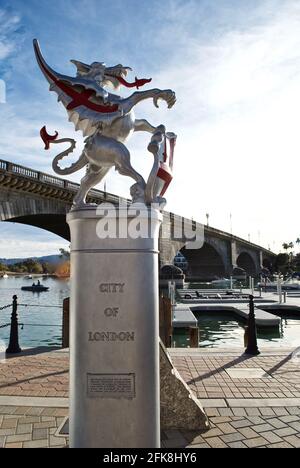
(289, 246)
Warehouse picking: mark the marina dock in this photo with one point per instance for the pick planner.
(268, 311)
(185, 317)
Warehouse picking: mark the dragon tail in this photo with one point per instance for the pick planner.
(79, 164)
(50, 139)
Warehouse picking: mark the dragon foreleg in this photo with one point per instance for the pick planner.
(167, 95)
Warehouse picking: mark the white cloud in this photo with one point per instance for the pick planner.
(237, 120)
(238, 86)
(8, 26)
(18, 241)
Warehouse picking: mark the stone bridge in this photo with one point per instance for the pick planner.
(42, 200)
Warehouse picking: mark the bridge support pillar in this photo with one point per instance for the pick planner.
(234, 255)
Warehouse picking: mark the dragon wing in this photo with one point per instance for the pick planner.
(84, 100)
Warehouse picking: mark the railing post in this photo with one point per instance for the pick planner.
(13, 347)
(252, 347)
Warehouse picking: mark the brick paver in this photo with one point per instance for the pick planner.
(40, 375)
(243, 434)
(29, 432)
(46, 375)
(206, 375)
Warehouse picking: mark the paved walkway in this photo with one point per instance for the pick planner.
(250, 402)
(242, 428)
(36, 373)
(216, 374)
(31, 427)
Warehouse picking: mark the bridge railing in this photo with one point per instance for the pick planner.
(41, 176)
(56, 181)
(98, 194)
(3, 165)
(51, 180)
(24, 171)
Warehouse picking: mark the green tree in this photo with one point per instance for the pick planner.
(288, 246)
(65, 254)
(282, 262)
(48, 268)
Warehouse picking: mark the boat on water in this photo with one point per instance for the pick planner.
(222, 283)
(290, 284)
(5, 276)
(35, 288)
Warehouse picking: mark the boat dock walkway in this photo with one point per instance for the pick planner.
(269, 310)
(183, 317)
(184, 313)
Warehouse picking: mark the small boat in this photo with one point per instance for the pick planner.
(5, 276)
(290, 284)
(35, 288)
(223, 283)
(28, 277)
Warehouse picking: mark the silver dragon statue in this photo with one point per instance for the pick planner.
(108, 120)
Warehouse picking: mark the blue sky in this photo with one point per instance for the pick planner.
(235, 66)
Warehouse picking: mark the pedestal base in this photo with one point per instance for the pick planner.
(114, 347)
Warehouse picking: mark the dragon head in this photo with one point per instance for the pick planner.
(107, 76)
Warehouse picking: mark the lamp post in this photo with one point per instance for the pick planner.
(207, 219)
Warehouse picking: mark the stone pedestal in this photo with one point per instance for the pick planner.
(114, 367)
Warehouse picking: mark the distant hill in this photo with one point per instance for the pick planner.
(47, 258)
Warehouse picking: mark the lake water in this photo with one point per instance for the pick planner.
(224, 331)
(42, 320)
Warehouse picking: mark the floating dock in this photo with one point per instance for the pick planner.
(184, 314)
(183, 317)
(268, 310)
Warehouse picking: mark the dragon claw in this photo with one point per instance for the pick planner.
(168, 96)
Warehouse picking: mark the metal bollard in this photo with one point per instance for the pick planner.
(246, 337)
(252, 348)
(13, 347)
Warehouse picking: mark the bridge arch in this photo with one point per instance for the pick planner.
(54, 223)
(49, 215)
(204, 264)
(247, 263)
(267, 263)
